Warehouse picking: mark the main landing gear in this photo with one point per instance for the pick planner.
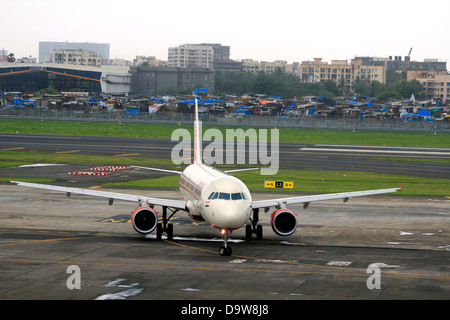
(165, 226)
(254, 228)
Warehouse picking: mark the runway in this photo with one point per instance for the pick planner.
(291, 156)
(42, 233)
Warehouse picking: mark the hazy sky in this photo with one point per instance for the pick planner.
(290, 30)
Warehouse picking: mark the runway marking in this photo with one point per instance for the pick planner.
(126, 154)
(69, 151)
(115, 221)
(19, 242)
(375, 151)
(18, 148)
(95, 187)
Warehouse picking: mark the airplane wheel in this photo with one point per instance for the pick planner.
(225, 251)
(159, 231)
(170, 232)
(259, 232)
(248, 232)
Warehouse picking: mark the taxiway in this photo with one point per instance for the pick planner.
(42, 233)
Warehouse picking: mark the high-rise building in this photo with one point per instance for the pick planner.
(47, 48)
(202, 55)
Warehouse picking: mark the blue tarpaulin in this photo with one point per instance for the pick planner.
(425, 113)
(133, 111)
(197, 90)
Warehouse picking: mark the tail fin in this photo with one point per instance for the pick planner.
(197, 140)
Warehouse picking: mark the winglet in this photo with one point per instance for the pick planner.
(197, 145)
(399, 187)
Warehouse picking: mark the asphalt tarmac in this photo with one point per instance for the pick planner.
(371, 248)
(334, 254)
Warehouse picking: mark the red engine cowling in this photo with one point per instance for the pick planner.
(144, 220)
(284, 222)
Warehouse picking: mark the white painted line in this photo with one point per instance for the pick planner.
(339, 263)
(376, 151)
(40, 165)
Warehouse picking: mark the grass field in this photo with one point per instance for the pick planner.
(18, 158)
(288, 135)
(320, 182)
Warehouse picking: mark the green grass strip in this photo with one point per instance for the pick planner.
(34, 180)
(42, 157)
(320, 182)
(287, 135)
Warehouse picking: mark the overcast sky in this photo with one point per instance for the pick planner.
(290, 30)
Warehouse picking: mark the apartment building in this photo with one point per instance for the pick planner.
(201, 55)
(320, 71)
(77, 57)
(151, 61)
(252, 66)
(435, 82)
(47, 48)
(368, 71)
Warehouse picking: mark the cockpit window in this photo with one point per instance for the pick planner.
(236, 196)
(224, 196)
(227, 196)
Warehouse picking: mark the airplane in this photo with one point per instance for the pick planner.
(214, 196)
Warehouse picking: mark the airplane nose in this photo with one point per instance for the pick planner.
(231, 214)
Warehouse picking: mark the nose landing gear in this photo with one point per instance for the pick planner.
(225, 250)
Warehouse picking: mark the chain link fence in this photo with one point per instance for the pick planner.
(253, 121)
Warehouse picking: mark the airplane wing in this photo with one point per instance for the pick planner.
(157, 169)
(177, 204)
(257, 204)
(239, 170)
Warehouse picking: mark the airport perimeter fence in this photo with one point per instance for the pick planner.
(264, 121)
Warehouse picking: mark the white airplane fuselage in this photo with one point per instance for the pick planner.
(217, 198)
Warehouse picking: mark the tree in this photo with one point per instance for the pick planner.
(11, 58)
(287, 85)
(361, 87)
(49, 90)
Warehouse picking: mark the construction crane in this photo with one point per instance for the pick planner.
(407, 59)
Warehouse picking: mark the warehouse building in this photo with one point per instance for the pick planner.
(31, 78)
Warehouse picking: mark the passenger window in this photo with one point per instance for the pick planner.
(224, 196)
(236, 196)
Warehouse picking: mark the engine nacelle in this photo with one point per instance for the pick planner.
(144, 220)
(284, 222)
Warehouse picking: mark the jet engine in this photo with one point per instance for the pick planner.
(284, 222)
(144, 220)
